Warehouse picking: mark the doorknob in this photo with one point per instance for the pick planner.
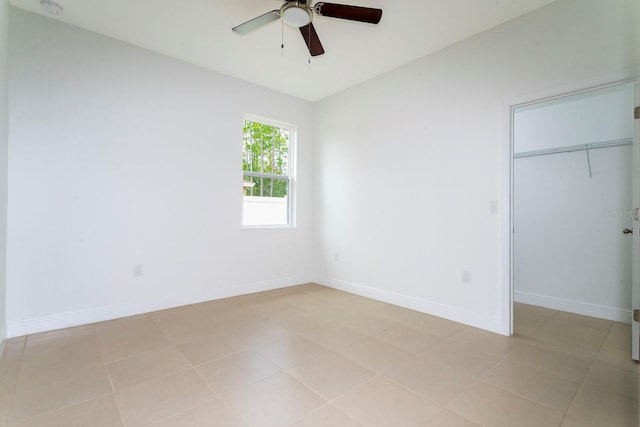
(627, 231)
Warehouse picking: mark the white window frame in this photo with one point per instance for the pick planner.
(291, 173)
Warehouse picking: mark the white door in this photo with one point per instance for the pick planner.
(635, 273)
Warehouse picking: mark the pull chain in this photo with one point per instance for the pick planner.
(309, 59)
(282, 38)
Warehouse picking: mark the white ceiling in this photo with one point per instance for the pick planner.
(199, 32)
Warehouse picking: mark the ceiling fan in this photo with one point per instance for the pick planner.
(299, 13)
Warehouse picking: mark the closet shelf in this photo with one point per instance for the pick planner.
(579, 147)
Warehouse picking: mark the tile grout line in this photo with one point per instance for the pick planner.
(104, 364)
(481, 378)
(533, 401)
(24, 348)
(215, 394)
(331, 401)
(326, 401)
(586, 376)
(575, 396)
(281, 371)
(115, 395)
(442, 408)
(328, 404)
(80, 402)
(584, 379)
(218, 395)
(190, 368)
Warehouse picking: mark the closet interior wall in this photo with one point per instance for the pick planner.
(572, 199)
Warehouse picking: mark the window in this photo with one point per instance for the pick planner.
(267, 166)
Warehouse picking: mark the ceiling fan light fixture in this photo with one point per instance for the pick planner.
(51, 7)
(295, 14)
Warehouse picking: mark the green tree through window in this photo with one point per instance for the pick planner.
(265, 160)
(267, 167)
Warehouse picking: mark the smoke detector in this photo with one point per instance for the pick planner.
(51, 7)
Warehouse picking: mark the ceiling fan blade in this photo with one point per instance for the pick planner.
(352, 13)
(257, 22)
(311, 38)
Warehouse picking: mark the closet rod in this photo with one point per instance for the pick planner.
(580, 147)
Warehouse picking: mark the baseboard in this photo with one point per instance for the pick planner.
(492, 324)
(577, 307)
(101, 314)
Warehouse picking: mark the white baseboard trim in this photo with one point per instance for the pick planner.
(100, 314)
(577, 307)
(492, 324)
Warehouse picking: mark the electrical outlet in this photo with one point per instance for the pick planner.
(466, 276)
(138, 270)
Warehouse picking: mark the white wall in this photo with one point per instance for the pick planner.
(405, 165)
(4, 142)
(569, 250)
(120, 156)
(113, 151)
(592, 116)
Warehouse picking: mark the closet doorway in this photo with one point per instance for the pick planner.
(572, 203)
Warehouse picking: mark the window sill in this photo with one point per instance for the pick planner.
(268, 227)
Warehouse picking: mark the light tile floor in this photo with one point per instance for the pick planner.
(313, 356)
